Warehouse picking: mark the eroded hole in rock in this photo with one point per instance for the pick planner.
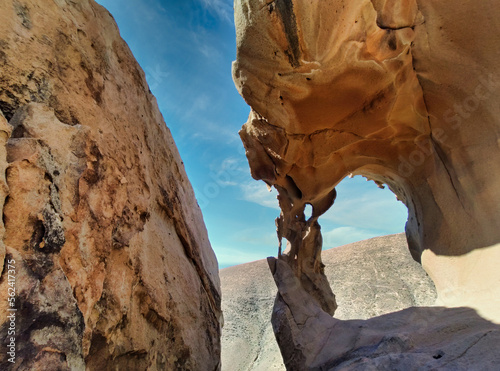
(38, 234)
(8, 108)
(362, 210)
(308, 211)
(365, 210)
(396, 109)
(18, 132)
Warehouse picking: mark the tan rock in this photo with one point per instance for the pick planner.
(370, 278)
(402, 92)
(5, 131)
(100, 216)
(416, 338)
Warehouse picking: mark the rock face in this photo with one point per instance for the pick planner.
(370, 278)
(402, 92)
(100, 225)
(416, 338)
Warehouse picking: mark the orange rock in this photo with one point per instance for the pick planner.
(402, 92)
(100, 217)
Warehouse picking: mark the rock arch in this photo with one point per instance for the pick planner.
(404, 92)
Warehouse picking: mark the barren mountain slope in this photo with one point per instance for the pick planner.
(369, 278)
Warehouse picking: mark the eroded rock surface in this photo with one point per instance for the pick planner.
(370, 278)
(416, 338)
(402, 92)
(98, 213)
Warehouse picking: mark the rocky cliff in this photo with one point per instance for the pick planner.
(404, 93)
(101, 232)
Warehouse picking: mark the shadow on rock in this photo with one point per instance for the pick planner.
(414, 338)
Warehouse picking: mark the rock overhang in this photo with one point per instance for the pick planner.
(398, 91)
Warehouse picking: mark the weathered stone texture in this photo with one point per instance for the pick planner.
(404, 92)
(114, 269)
(370, 278)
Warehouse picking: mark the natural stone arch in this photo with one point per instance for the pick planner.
(401, 91)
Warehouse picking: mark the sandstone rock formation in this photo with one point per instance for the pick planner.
(403, 92)
(370, 278)
(98, 213)
(432, 338)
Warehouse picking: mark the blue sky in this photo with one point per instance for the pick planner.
(186, 49)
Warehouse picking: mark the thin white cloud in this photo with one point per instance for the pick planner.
(207, 130)
(222, 8)
(344, 235)
(202, 128)
(372, 209)
(230, 163)
(206, 43)
(235, 167)
(201, 103)
(231, 256)
(223, 178)
(155, 76)
(366, 210)
(210, 53)
(258, 193)
(257, 237)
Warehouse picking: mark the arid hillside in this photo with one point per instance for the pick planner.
(369, 278)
